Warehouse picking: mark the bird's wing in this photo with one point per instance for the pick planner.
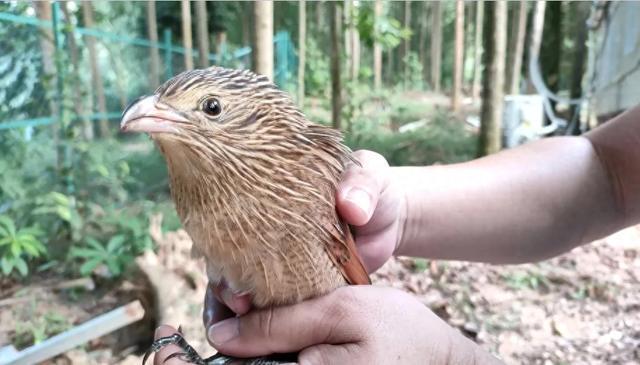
(343, 253)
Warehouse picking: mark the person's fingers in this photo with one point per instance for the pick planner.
(336, 318)
(160, 357)
(329, 354)
(361, 186)
(214, 311)
(238, 303)
(375, 249)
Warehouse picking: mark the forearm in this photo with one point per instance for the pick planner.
(617, 144)
(520, 205)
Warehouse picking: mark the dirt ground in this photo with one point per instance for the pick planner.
(580, 308)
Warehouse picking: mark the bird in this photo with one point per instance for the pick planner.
(254, 184)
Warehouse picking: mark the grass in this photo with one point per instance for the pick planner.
(372, 121)
(440, 139)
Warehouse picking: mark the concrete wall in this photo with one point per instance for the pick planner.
(617, 62)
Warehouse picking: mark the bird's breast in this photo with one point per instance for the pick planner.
(278, 254)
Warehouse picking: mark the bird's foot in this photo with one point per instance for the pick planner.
(189, 354)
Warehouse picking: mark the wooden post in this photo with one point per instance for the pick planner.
(94, 328)
(263, 47)
(187, 42)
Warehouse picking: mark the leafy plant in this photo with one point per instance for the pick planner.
(522, 280)
(420, 265)
(384, 29)
(40, 328)
(317, 76)
(438, 137)
(17, 246)
(113, 255)
(63, 208)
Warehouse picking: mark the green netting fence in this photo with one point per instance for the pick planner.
(37, 91)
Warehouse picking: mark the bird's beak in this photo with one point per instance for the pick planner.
(150, 116)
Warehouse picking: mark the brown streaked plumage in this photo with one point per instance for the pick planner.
(253, 182)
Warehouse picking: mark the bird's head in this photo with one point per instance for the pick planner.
(217, 110)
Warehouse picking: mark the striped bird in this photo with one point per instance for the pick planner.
(253, 181)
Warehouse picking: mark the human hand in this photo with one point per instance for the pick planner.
(369, 201)
(366, 199)
(160, 358)
(351, 325)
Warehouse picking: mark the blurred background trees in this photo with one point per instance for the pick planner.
(402, 78)
(419, 82)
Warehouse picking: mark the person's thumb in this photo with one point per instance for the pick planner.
(331, 319)
(360, 187)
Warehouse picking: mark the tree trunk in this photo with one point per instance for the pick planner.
(422, 39)
(246, 23)
(320, 15)
(43, 12)
(186, 34)
(579, 62)
(536, 31)
(389, 67)
(351, 41)
(302, 37)
(87, 126)
(436, 46)
(202, 33)
(406, 44)
(152, 33)
(516, 49)
(477, 50)
(495, 39)
(348, 55)
(551, 48)
(263, 48)
(377, 50)
(96, 75)
(468, 41)
(221, 45)
(458, 57)
(355, 53)
(336, 85)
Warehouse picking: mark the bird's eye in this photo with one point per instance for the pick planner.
(212, 107)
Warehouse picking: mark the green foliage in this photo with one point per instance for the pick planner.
(385, 29)
(436, 136)
(108, 204)
(39, 328)
(527, 280)
(20, 61)
(94, 253)
(17, 246)
(420, 265)
(413, 79)
(317, 76)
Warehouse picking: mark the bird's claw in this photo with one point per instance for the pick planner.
(190, 356)
(188, 353)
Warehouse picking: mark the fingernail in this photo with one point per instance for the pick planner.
(224, 331)
(360, 198)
